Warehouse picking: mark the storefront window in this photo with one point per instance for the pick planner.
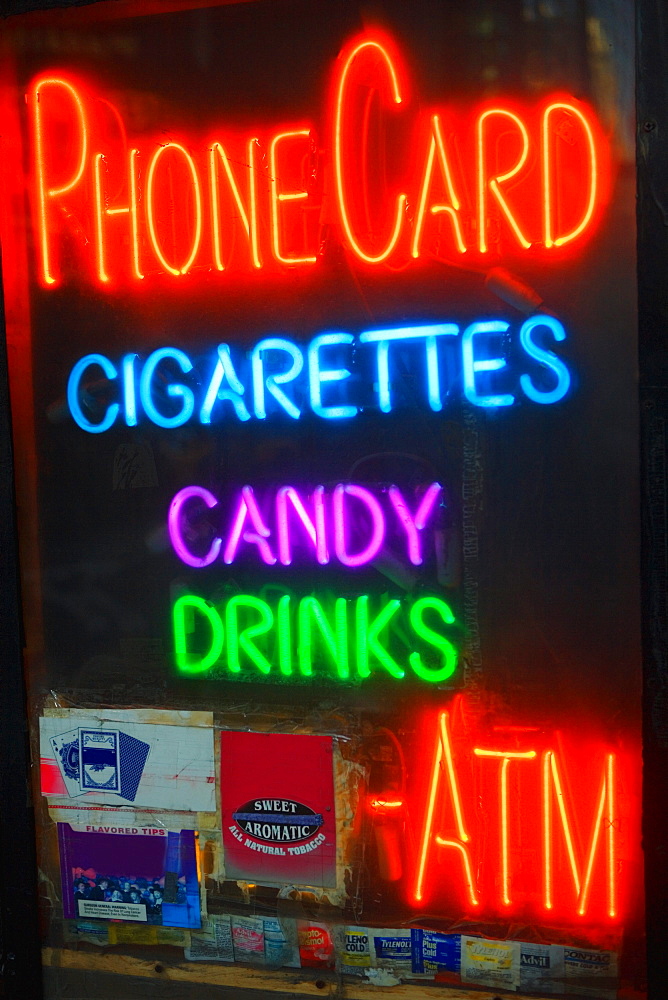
(321, 332)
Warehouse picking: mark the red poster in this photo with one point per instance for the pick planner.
(279, 820)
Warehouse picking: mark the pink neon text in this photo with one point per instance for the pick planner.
(349, 525)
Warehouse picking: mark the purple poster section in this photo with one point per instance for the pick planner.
(144, 875)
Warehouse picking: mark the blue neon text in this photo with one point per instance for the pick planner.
(334, 376)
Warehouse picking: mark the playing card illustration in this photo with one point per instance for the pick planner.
(67, 754)
(100, 766)
(100, 760)
(115, 761)
(133, 754)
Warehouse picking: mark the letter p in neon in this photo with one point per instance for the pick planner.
(60, 95)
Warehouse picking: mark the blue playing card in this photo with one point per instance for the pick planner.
(133, 754)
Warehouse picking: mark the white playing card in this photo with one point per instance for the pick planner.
(67, 753)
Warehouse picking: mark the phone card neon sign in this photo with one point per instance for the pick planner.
(526, 188)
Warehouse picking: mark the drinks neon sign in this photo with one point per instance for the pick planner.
(536, 178)
(295, 636)
(344, 642)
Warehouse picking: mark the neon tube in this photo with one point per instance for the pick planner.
(134, 218)
(185, 607)
(379, 50)
(129, 389)
(182, 392)
(374, 509)
(368, 643)
(437, 146)
(427, 831)
(413, 525)
(43, 192)
(315, 528)
(284, 631)
(443, 755)
(101, 210)
(484, 182)
(471, 365)
(606, 808)
(174, 519)
(243, 637)
(551, 773)
(73, 393)
(150, 215)
(549, 237)
(335, 638)
(318, 375)
(605, 812)
(248, 509)
(505, 756)
(429, 332)
(448, 651)
(248, 217)
(277, 197)
(548, 359)
(272, 382)
(467, 866)
(224, 370)
(444, 730)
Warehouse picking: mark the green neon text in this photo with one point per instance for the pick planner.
(293, 639)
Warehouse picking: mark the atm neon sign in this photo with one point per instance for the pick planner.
(503, 179)
(499, 824)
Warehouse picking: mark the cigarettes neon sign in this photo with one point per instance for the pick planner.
(502, 179)
(487, 363)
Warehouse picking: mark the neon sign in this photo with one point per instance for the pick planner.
(530, 810)
(275, 583)
(350, 526)
(528, 188)
(351, 510)
(303, 638)
(319, 378)
(326, 455)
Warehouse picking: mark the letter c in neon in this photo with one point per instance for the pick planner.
(174, 525)
(73, 393)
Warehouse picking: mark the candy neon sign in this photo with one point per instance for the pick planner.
(341, 639)
(529, 188)
(326, 522)
(282, 377)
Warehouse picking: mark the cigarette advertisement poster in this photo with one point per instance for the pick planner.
(122, 761)
(144, 874)
(278, 810)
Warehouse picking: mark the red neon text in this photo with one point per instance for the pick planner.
(503, 829)
(388, 186)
